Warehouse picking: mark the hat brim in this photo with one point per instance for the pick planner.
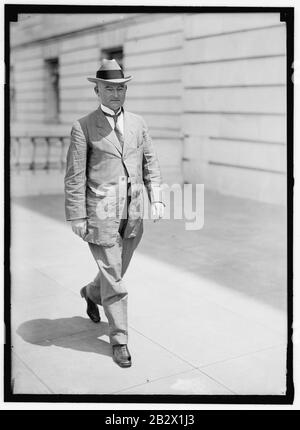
(113, 81)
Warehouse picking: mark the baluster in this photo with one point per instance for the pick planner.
(32, 164)
(48, 142)
(61, 140)
(19, 148)
(15, 152)
(62, 154)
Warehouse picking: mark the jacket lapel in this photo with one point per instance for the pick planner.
(106, 131)
(129, 127)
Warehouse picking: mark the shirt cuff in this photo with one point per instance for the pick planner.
(155, 193)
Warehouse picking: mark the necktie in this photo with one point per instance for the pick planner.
(116, 128)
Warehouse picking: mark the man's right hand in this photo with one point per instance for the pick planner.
(79, 226)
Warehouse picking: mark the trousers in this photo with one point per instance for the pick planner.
(108, 289)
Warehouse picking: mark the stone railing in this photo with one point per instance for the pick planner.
(39, 152)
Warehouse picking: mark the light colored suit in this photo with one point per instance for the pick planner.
(99, 174)
(98, 170)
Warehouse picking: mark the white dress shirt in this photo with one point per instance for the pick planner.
(120, 120)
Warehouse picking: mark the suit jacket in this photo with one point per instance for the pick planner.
(97, 173)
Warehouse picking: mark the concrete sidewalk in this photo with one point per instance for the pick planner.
(207, 309)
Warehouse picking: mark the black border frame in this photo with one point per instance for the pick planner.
(287, 15)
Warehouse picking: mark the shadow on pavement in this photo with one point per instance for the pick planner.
(48, 332)
(242, 245)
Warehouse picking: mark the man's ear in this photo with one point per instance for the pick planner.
(96, 89)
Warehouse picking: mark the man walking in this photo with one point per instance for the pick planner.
(110, 159)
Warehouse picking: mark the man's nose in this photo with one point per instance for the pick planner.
(116, 94)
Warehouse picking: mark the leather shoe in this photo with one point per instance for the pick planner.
(92, 309)
(121, 355)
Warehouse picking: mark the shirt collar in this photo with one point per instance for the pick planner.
(109, 111)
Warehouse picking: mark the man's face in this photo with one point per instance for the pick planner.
(112, 95)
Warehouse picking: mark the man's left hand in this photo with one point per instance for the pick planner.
(157, 210)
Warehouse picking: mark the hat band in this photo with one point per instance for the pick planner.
(110, 74)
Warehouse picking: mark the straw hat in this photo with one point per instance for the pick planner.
(110, 71)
